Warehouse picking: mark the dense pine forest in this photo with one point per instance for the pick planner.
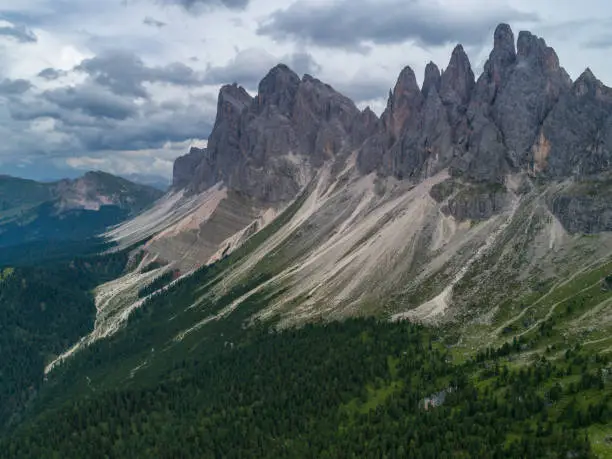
(356, 389)
(44, 309)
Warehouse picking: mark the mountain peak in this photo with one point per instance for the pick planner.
(406, 82)
(500, 63)
(458, 50)
(404, 103)
(503, 40)
(587, 76)
(533, 48)
(529, 44)
(431, 79)
(588, 83)
(278, 88)
(457, 79)
(281, 68)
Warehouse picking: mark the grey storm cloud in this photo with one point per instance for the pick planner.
(124, 73)
(18, 32)
(200, 5)
(51, 74)
(353, 24)
(249, 66)
(12, 87)
(111, 110)
(92, 100)
(151, 129)
(90, 117)
(153, 22)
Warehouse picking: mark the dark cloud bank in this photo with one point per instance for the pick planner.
(353, 24)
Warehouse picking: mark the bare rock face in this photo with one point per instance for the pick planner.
(415, 139)
(403, 106)
(223, 151)
(533, 87)
(456, 86)
(576, 138)
(496, 70)
(432, 79)
(425, 149)
(584, 206)
(523, 114)
(513, 96)
(364, 126)
(278, 88)
(96, 189)
(270, 146)
(185, 166)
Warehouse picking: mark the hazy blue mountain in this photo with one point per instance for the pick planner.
(67, 210)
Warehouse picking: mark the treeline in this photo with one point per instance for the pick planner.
(342, 390)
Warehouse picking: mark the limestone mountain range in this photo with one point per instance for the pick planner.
(468, 202)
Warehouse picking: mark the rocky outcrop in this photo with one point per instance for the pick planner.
(533, 86)
(270, 146)
(403, 106)
(576, 137)
(184, 168)
(456, 87)
(522, 114)
(584, 207)
(477, 202)
(223, 153)
(516, 91)
(469, 201)
(432, 79)
(415, 139)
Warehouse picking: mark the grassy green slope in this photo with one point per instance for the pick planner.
(19, 196)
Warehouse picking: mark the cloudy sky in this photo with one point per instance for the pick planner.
(128, 85)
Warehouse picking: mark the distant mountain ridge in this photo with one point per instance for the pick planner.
(67, 209)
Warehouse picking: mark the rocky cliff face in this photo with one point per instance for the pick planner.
(270, 146)
(576, 138)
(523, 114)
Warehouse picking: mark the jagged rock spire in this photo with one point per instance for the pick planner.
(432, 78)
(403, 105)
(457, 79)
(503, 55)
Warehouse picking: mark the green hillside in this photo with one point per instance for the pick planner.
(19, 196)
(208, 381)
